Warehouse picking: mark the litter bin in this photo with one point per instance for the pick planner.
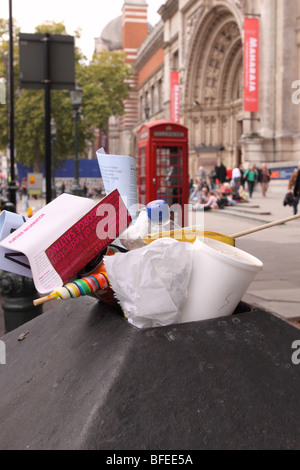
(18, 294)
(6, 205)
(85, 379)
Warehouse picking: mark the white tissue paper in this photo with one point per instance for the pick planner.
(132, 237)
(151, 282)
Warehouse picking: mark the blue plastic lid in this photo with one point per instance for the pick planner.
(158, 211)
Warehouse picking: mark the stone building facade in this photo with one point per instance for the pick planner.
(204, 41)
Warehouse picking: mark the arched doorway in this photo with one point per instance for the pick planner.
(214, 90)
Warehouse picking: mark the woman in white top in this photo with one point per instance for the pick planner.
(236, 176)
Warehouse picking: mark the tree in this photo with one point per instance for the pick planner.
(29, 110)
(105, 85)
(30, 118)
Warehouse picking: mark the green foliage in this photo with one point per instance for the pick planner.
(105, 85)
(51, 28)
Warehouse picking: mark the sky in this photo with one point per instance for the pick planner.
(89, 15)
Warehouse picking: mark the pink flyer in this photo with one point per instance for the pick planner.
(89, 236)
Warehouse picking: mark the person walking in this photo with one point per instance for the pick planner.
(242, 176)
(294, 187)
(236, 177)
(212, 178)
(202, 174)
(264, 179)
(221, 173)
(24, 197)
(85, 189)
(251, 176)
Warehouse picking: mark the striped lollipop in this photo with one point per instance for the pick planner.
(97, 284)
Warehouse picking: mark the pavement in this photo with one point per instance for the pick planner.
(277, 287)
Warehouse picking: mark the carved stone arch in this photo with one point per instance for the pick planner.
(232, 73)
(208, 27)
(192, 56)
(219, 50)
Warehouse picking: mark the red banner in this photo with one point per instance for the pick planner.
(175, 97)
(251, 64)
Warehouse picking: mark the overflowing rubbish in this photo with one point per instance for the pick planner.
(221, 274)
(157, 272)
(67, 234)
(152, 221)
(189, 235)
(79, 287)
(11, 261)
(151, 283)
(93, 281)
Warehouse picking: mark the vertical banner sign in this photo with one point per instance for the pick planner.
(251, 64)
(175, 95)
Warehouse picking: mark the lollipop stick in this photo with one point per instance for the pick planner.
(263, 227)
(43, 300)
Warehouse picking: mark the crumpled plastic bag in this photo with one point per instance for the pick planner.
(151, 282)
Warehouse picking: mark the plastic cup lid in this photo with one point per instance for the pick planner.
(230, 254)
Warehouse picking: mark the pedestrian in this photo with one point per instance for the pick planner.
(294, 187)
(63, 187)
(236, 177)
(85, 190)
(212, 178)
(202, 174)
(196, 192)
(24, 197)
(251, 176)
(264, 179)
(242, 176)
(221, 173)
(210, 204)
(203, 197)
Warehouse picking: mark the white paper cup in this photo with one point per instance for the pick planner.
(220, 276)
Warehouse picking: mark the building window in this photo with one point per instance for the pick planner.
(141, 109)
(153, 106)
(159, 95)
(175, 61)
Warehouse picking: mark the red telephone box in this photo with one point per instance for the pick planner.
(163, 163)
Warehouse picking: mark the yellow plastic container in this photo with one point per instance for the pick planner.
(188, 235)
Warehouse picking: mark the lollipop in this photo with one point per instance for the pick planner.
(95, 284)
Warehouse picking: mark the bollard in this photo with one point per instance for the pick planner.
(18, 292)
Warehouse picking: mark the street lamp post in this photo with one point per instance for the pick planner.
(76, 100)
(12, 184)
(53, 140)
